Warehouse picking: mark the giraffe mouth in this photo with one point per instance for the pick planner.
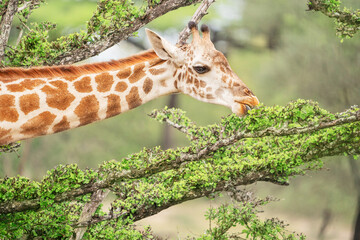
(246, 105)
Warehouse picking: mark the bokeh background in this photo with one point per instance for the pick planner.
(280, 50)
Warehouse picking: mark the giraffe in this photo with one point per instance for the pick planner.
(46, 100)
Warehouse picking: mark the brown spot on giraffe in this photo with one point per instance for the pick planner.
(4, 136)
(176, 84)
(219, 92)
(70, 78)
(133, 99)
(57, 95)
(224, 78)
(190, 71)
(121, 86)
(29, 102)
(62, 125)
(202, 83)
(147, 86)
(222, 68)
(197, 83)
(87, 110)
(7, 100)
(122, 74)
(155, 71)
(4, 132)
(26, 84)
(163, 83)
(16, 88)
(8, 111)
(38, 125)
(179, 76)
(104, 82)
(83, 85)
(113, 106)
(32, 83)
(201, 94)
(138, 73)
(210, 96)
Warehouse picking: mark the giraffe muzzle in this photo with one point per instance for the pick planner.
(242, 107)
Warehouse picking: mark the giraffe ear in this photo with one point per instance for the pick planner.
(163, 48)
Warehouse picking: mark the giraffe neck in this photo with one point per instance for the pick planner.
(31, 107)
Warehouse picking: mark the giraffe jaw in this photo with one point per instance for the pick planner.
(241, 108)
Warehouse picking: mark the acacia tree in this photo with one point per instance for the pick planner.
(270, 144)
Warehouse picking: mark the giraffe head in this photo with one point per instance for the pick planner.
(203, 72)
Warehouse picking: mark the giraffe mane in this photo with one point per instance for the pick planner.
(78, 70)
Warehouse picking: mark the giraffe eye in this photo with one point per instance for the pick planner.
(201, 69)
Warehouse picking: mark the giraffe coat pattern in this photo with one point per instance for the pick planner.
(46, 100)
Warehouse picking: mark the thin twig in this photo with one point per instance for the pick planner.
(23, 23)
(23, 7)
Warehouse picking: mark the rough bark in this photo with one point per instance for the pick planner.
(5, 25)
(88, 211)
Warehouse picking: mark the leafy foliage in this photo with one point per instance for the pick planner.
(269, 144)
(36, 49)
(110, 17)
(347, 20)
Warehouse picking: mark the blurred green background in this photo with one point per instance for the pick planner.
(280, 50)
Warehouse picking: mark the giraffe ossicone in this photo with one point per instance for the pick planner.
(46, 100)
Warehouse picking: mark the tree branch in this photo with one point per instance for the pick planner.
(348, 22)
(93, 49)
(88, 212)
(181, 157)
(5, 25)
